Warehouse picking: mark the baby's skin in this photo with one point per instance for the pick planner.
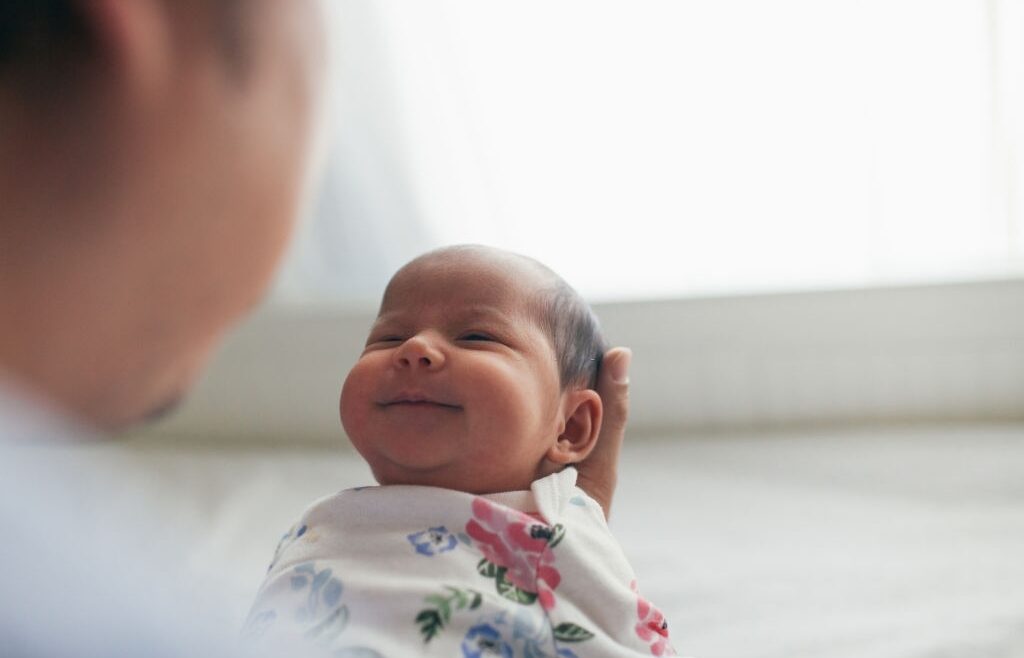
(468, 407)
(458, 386)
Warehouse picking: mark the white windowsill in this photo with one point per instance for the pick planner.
(896, 354)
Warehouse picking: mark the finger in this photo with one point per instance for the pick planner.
(598, 473)
(613, 387)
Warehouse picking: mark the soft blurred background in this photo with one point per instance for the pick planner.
(807, 220)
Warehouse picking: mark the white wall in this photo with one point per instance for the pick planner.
(937, 352)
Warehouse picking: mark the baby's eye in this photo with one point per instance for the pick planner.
(376, 340)
(476, 335)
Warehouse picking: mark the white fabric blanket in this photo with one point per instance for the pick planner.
(407, 570)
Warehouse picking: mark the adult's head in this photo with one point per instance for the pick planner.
(152, 157)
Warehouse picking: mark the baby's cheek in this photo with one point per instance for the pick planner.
(356, 401)
(358, 426)
(512, 409)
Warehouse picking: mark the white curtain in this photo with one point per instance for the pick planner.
(666, 148)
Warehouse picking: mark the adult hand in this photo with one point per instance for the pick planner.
(598, 473)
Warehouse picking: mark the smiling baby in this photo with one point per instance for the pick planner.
(471, 402)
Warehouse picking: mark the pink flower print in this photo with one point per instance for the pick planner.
(651, 626)
(546, 596)
(519, 545)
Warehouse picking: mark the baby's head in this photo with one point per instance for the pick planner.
(478, 374)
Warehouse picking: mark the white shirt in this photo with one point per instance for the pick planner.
(81, 569)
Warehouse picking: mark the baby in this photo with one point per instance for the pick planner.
(471, 402)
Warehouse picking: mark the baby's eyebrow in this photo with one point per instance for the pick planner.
(386, 320)
(493, 317)
(482, 313)
(461, 316)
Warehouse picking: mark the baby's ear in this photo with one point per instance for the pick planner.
(582, 413)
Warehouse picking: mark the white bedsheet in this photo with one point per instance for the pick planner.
(873, 543)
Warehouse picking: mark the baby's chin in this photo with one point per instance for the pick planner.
(448, 477)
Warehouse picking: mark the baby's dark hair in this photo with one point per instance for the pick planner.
(574, 331)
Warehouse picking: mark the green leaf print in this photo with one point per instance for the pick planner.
(462, 598)
(510, 591)
(507, 590)
(557, 534)
(441, 605)
(487, 569)
(572, 633)
(433, 620)
(430, 624)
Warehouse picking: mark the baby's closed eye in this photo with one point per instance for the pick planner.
(383, 341)
(477, 336)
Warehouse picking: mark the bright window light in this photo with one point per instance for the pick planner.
(651, 149)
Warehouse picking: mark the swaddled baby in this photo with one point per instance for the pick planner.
(471, 402)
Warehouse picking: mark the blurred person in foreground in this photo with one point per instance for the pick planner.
(153, 155)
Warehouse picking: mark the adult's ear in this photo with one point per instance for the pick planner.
(582, 412)
(132, 41)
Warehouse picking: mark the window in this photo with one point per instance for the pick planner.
(670, 148)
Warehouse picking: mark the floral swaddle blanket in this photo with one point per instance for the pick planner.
(397, 571)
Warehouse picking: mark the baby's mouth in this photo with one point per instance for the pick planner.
(416, 401)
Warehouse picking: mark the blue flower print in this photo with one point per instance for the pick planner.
(259, 623)
(322, 589)
(525, 634)
(356, 652)
(433, 541)
(484, 640)
(286, 540)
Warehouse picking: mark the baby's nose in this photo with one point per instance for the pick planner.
(419, 352)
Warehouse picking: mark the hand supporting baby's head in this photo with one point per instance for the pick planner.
(478, 374)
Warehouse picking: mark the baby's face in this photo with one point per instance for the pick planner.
(458, 385)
